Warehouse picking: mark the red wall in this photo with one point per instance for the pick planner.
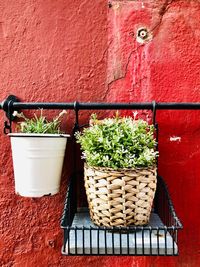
(58, 51)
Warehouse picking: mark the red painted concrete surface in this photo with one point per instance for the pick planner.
(85, 51)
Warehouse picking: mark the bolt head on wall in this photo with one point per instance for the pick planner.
(143, 35)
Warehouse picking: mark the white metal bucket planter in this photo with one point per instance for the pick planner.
(37, 162)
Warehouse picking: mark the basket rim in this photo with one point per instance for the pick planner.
(153, 167)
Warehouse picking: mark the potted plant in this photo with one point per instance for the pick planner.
(38, 150)
(120, 170)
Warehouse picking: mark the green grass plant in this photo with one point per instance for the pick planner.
(39, 124)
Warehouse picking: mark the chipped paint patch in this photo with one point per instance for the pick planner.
(175, 139)
(143, 5)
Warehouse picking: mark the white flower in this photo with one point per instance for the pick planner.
(105, 158)
(100, 139)
(18, 115)
(23, 124)
(135, 115)
(61, 114)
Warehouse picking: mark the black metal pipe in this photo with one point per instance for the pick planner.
(80, 106)
(178, 106)
(102, 106)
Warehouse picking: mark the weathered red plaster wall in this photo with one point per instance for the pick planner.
(58, 51)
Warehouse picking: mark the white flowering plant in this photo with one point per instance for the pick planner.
(39, 123)
(119, 142)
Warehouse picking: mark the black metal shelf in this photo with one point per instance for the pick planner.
(159, 237)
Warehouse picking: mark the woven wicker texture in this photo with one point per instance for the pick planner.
(120, 198)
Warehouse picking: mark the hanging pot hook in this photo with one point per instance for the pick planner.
(155, 125)
(76, 109)
(7, 106)
(154, 113)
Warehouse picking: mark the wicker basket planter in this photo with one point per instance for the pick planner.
(120, 198)
(120, 170)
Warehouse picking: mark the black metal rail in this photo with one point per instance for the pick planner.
(13, 103)
(103, 106)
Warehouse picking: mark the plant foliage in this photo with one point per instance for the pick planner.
(39, 124)
(118, 143)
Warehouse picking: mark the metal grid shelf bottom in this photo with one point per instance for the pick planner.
(159, 237)
(86, 238)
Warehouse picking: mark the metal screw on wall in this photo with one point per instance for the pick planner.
(143, 35)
